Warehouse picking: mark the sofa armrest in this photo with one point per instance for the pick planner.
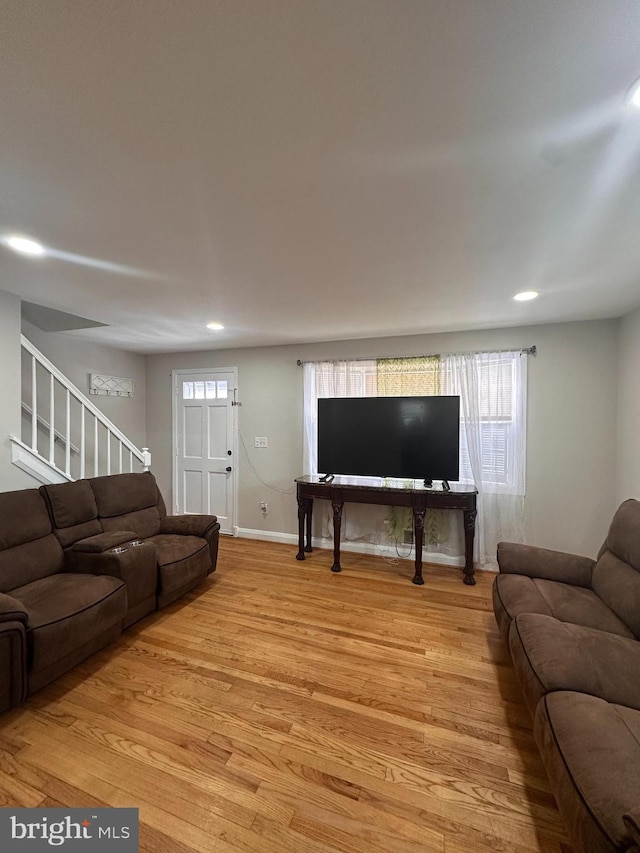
(13, 652)
(103, 541)
(205, 526)
(542, 563)
(135, 564)
(189, 525)
(11, 610)
(632, 824)
(13, 664)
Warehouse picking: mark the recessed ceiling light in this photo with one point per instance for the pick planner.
(526, 295)
(26, 246)
(633, 95)
(215, 327)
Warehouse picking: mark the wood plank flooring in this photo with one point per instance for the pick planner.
(283, 708)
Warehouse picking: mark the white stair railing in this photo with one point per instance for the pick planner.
(65, 430)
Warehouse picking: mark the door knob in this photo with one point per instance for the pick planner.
(228, 468)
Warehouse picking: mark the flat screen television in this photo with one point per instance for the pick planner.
(403, 437)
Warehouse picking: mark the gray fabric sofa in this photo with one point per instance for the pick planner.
(572, 626)
(81, 561)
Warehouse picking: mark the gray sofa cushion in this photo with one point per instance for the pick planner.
(516, 594)
(550, 655)
(591, 750)
(616, 577)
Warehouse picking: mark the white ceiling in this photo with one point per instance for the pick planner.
(302, 170)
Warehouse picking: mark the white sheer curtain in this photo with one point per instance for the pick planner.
(331, 379)
(493, 393)
(339, 379)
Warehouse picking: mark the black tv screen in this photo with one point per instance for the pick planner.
(405, 437)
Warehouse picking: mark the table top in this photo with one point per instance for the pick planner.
(390, 484)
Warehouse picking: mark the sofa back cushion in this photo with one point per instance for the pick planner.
(616, 576)
(28, 549)
(128, 502)
(73, 511)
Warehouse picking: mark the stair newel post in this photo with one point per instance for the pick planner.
(130, 461)
(146, 459)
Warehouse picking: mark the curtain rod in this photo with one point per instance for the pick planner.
(532, 350)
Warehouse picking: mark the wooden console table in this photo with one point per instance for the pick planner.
(419, 499)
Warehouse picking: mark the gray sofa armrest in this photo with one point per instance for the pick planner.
(103, 541)
(542, 563)
(11, 610)
(632, 824)
(189, 525)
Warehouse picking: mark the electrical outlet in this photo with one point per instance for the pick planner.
(264, 507)
(260, 441)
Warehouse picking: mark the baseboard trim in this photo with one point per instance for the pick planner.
(267, 535)
(387, 551)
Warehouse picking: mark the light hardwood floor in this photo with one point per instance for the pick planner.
(284, 708)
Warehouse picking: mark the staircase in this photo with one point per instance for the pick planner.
(64, 435)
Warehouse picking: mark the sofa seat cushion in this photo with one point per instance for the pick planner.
(67, 611)
(515, 594)
(591, 750)
(551, 655)
(182, 561)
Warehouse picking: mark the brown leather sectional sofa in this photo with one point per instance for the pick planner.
(573, 628)
(81, 561)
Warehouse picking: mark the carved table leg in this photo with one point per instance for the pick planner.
(309, 511)
(418, 526)
(337, 524)
(469, 530)
(302, 510)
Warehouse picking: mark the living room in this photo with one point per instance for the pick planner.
(287, 173)
(582, 409)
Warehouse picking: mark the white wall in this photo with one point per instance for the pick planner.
(10, 417)
(572, 415)
(77, 358)
(628, 456)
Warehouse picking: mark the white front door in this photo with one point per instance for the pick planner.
(204, 433)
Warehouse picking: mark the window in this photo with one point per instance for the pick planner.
(345, 379)
(498, 425)
(207, 390)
